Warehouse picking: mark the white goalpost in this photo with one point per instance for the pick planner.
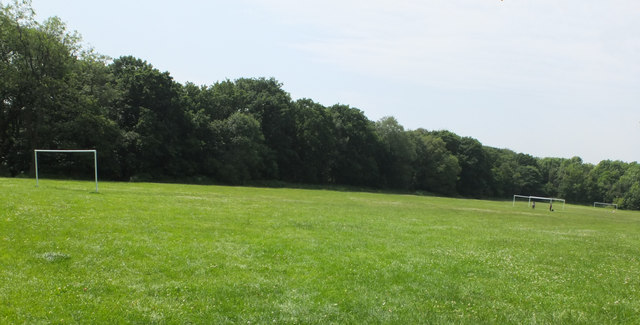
(604, 205)
(526, 197)
(95, 160)
(537, 198)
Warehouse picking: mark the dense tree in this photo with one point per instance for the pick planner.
(357, 147)
(503, 170)
(271, 106)
(451, 140)
(629, 186)
(397, 156)
(36, 62)
(514, 173)
(550, 172)
(604, 177)
(314, 142)
(573, 180)
(153, 124)
(240, 148)
(527, 180)
(52, 93)
(475, 175)
(435, 168)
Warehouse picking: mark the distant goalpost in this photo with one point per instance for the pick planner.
(538, 198)
(95, 160)
(604, 205)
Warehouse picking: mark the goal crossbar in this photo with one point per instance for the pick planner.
(615, 206)
(95, 160)
(531, 197)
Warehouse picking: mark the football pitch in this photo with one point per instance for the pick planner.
(177, 254)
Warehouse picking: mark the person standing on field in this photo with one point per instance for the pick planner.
(533, 204)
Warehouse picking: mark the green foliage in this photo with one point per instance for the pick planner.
(435, 168)
(37, 62)
(271, 106)
(240, 151)
(357, 148)
(605, 176)
(398, 154)
(629, 184)
(550, 170)
(475, 174)
(573, 179)
(514, 173)
(314, 143)
(154, 124)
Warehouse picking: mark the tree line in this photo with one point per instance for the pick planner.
(55, 94)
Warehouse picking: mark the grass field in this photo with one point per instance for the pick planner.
(163, 253)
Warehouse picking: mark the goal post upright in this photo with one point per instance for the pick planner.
(35, 153)
(521, 196)
(95, 160)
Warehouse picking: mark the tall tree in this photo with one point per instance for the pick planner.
(398, 153)
(154, 126)
(475, 176)
(271, 106)
(36, 61)
(629, 186)
(550, 170)
(357, 148)
(451, 140)
(573, 180)
(435, 168)
(503, 169)
(604, 176)
(314, 143)
(240, 149)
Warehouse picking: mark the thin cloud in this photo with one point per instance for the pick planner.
(465, 44)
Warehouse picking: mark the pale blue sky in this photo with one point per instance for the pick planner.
(543, 77)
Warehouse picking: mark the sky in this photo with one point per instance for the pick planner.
(544, 77)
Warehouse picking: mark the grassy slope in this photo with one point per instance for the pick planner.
(144, 253)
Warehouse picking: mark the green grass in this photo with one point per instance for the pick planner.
(162, 253)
